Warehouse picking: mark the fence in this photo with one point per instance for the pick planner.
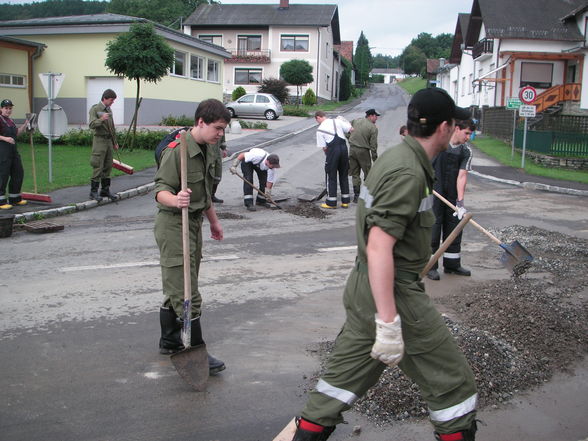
(554, 143)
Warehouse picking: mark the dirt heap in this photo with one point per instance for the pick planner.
(515, 333)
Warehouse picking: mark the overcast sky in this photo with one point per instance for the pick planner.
(389, 25)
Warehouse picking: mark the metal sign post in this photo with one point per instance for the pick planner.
(526, 111)
(51, 83)
(49, 139)
(513, 103)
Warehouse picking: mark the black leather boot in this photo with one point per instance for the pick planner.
(171, 328)
(355, 194)
(214, 364)
(303, 434)
(459, 271)
(213, 197)
(105, 191)
(94, 186)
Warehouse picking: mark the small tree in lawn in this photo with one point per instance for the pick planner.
(297, 73)
(139, 54)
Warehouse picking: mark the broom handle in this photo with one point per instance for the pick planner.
(473, 222)
(33, 162)
(187, 316)
(466, 218)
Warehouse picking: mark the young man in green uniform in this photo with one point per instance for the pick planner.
(390, 319)
(363, 148)
(103, 142)
(211, 119)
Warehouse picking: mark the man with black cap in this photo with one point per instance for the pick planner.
(363, 142)
(264, 164)
(390, 319)
(11, 169)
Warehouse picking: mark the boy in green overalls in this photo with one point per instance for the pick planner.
(390, 319)
(211, 119)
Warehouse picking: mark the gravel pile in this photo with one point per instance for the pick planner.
(307, 209)
(515, 333)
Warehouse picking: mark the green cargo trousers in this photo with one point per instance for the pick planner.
(168, 235)
(101, 159)
(360, 160)
(432, 359)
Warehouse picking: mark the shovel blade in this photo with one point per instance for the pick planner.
(516, 257)
(192, 365)
(308, 198)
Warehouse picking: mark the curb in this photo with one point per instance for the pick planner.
(533, 185)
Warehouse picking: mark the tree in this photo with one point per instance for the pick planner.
(363, 59)
(139, 54)
(414, 60)
(275, 86)
(345, 86)
(166, 12)
(297, 73)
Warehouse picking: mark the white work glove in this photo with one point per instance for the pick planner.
(236, 163)
(268, 192)
(388, 347)
(461, 210)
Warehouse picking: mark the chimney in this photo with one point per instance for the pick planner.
(284, 4)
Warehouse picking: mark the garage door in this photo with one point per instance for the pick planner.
(96, 86)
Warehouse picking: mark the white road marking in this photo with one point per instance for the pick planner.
(327, 250)
(68, 269)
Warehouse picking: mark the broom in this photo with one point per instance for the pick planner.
(31, 124)
(117, 163)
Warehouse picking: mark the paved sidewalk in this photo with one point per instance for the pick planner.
(72, 199)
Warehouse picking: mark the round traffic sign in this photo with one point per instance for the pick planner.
(54, 125)
(528, 94)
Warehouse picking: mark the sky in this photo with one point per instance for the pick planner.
(389, 25)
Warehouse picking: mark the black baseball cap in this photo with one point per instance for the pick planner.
(371, 112)
(6, 103)
(433, 106)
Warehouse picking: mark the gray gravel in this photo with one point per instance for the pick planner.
(515, 333)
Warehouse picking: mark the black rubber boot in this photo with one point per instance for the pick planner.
(105, 191)
(249, 205)
(214, 365)
(94, 186)
(308, 435)
(459, 271)
(213, 197)
(464, 435)
(171, 328)
(355, 194)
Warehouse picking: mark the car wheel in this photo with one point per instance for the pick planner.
(270, 114)
(232, 112)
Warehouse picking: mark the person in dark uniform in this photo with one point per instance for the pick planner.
(103, 143)
(211, 119)
(363, 148)
(451, 172)
(330, 136)
(390, 319)
(11, 170)
(264, 165)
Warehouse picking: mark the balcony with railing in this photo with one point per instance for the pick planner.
(483, 49)
(261, 56)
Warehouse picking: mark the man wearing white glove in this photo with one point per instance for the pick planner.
(390, 320)
(451, 176)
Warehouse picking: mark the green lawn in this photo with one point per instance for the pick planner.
(412, 85)
(71, 165)
(502, 151)
(302, 110)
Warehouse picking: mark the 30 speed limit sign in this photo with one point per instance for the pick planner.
(528, 94)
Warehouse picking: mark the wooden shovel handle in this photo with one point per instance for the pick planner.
(473, 222)
(185, 220)
(267, 198)
(466, 218)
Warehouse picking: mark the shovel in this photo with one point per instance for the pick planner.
(270, 200)
(515, 258)
(307, 198)
(191, 362)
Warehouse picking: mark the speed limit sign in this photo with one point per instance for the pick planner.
(528, 94)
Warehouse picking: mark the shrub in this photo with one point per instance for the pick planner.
(183, 121)
(252, 125)
(309, 98)
(275, 86)
(295, 111)
(238, 93)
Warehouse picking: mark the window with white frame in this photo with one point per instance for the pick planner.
(179, 63)
(294, 43)
(212, 71)
(248, 43)
(463, 86)
(214, 39)
(11, 80)
(471, 84)
(539, 75)
(196, 67)
(247, 76)
(328, 81)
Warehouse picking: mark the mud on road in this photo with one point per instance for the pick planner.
(516, 333)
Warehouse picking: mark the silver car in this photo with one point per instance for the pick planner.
(256, 104)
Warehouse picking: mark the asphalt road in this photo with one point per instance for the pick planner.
(79, 323)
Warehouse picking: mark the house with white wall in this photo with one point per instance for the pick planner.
(76, 47)
(502, 46)
(261, 37)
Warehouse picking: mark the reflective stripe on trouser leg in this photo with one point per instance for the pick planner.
(331, 176)
(343, 170)
(350, 370)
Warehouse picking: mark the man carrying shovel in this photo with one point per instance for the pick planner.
(264, 165)
(390, 319)
(211, 120)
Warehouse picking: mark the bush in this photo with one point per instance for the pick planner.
(252, 125)
(309, 98)
(238, 93)
(275, 86)
(295, 111)
(345, 88)
(183, 121)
